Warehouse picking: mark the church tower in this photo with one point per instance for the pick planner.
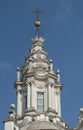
(38, 89)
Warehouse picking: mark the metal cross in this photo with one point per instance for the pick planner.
(37, 12)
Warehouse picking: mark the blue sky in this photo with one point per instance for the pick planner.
(62, 27)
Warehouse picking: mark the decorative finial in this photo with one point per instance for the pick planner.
(12, 106)
(37, 22)
(11, 111)
(58, 75)
(18, 74)
(81, 110)
(81, 116)
(51, 65)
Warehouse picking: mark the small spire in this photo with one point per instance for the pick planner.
(58, 75)
(18, 74)
(51, 65)
(11, 111)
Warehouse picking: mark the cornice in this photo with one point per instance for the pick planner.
(52, 75)
(40, 52)
(40, 76)
(58, 85)
(9, 119)
(17, 83)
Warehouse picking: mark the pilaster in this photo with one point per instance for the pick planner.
(53, 97)
(49, 96)
(28, 96)
(19, 101)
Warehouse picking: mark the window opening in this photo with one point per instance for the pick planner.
(40, 101)
(25, 101)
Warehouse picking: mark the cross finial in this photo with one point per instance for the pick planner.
(37, 12)
(37, 23)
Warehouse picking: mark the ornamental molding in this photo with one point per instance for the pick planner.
(58, 86)
(38, 39)
(18, 83)
(9, 119)
(32, 109)
(39, 84)
(39, 52)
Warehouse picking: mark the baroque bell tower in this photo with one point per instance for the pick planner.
(38, 89)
